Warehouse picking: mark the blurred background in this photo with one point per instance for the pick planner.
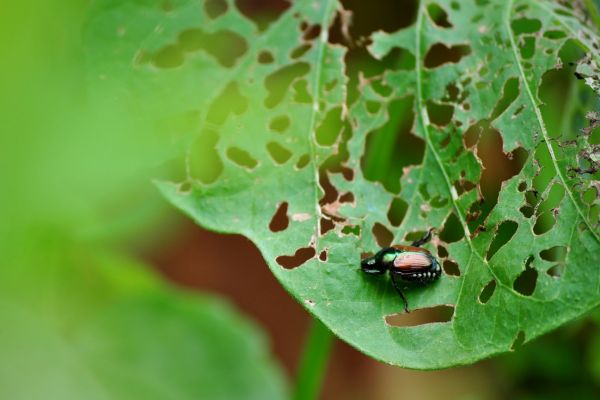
(85, 234)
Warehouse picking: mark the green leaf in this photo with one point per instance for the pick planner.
(103, 327)
(288, 140)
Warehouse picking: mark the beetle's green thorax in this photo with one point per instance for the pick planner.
(389, 257)
(380, 262)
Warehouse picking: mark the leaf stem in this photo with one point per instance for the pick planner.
(313, 362)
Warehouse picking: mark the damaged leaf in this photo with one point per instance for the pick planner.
(482, 158)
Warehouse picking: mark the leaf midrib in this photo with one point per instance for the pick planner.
(315, 109)
(540, 120)
(424, 119)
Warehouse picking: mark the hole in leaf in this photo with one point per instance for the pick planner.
(527, 211)
(525, 25)
(504, 233)
(522, 186)
(442, 252)
(168, 57)
(265, 57)
(556, 271)
(347, 173)
(204, 161)
(381, 88)
(300, 89)
(440, 54)
(453, 230)
(372, 107)
(527, 47)
(554, 254)
(439, 202)
(225, 46)
(439, 114)
(278, 82)
(280, 124)
(589, 196)
(554, 35)
(397, 59)
(280, 220)
(382, 235)
(347, 197)
(215, 8)
(185, 187)
(461, 186)
(279, 153)
(451, 268)
(487, 292)
(300, 51)
(262, 12)
(397, 211)
(389, 16)
(241, 157)
(329, 86)
(413, 236)
(421, 316)
(532, 197)
(452, 93)
(330, 192)
(509, 94)
(330, 128)
(335, 163)
(351, 230)
(311, 32)
(326, 225)
(565, 13)
(228, 102)
(339, 30)
(323, 256)
(301, 256)
(555, 196)
(544, 223)
(438, 15)
(526, 281)
(303, 161)
(472, 135)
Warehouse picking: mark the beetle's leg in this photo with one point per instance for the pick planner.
(399, 292)
(423, 240)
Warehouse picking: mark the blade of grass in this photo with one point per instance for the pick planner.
(313, 363)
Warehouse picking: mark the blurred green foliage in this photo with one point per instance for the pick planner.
(78, 317)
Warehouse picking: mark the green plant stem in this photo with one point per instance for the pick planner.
(313, 362)
(594, 13)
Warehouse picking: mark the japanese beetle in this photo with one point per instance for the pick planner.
(408, 265)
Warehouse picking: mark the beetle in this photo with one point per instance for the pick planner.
(407, 265)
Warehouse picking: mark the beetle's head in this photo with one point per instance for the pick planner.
(380, 262)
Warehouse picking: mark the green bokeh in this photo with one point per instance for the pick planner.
(78, 318)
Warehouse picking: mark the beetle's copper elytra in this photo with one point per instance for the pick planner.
(406, 265)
